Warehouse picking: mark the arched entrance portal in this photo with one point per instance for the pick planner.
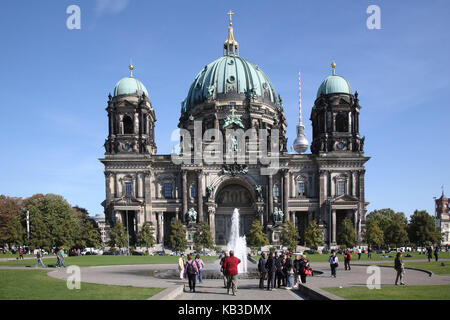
(233, 194)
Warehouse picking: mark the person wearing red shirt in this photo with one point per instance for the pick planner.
(231, 268)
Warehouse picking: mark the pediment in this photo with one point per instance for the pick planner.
(345, 198)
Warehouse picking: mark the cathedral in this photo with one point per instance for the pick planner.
(232, 108)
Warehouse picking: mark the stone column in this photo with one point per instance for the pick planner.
(200, 196)
(140, 186)
(333, 223)
(270, 201)
(116, 187)
(160, 226)
(185, 193)
(355, 220)
(212, 222)
(120, 123)
(286, 194)
(111, 128)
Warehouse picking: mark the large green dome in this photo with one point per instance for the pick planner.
(334, 84)
(230, 76)
(129, 85)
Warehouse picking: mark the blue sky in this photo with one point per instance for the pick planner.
(55, 82)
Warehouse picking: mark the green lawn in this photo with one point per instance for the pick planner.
(441, 292)
(36, 285)
(432, 266)
(85, 261)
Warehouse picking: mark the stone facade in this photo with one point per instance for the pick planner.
(442, 218)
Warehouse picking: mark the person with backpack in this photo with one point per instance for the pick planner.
(334, 263)
(200, 266)
(191, 270)
(39, 258)
(231, 267)
(347, 258)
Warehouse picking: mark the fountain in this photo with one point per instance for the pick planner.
(238, 244)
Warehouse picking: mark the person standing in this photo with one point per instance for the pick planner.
(181, 266)
(369, 253)
(58, 258)
(231, 267)
(304, 265)
(63, 255)
(359, 253)
(271, 269)
(297, 268)
(20, 254)
(334, 263)
(222, 269)
(39, 258)
(279, 269)
(191, 270)
(347, 258)
(400, 268)
(436, 253)
(200, 266)
(429, 253)
(289, 270)
(262, 270)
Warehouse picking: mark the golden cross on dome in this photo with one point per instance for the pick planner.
(230, 13)
(131, 68)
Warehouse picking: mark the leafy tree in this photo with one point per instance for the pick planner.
(118, 236)
(396, 232)
(257, 237)
(422, 229)
(373, 235)
(145, 236)
(203, 238)
(177, 238)
(89, 235)
(52, 222)
(313, 235)
(290, 237)
(9, 208)
(384, 219)
(15, 233)
(347, 234)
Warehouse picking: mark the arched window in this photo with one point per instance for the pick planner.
(341, 123)
(167, 189)
(301, 188)
(127, 125)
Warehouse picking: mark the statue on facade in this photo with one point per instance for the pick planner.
(278, 215)
(258, 189)
(192, 215)
(209, 191)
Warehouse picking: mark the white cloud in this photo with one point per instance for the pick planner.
(111, 6)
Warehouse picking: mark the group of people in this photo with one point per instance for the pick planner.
(430, 253)
(60, 256)
(279, 269)
(192, 269)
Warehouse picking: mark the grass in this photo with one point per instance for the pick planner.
(36, 285)
(432, 266)
(440, 292)
(85, 261)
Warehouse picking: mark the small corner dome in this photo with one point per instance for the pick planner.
(334, 84)
(129, 85)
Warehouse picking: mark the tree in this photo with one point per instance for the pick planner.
(9, 208)
(15, 233)
(203, 238)
(422, 229)
(177, 238)
(145, 236)
(290, 237)
(373, 235)
(89, 235)
(396, 232)
(118, 236)
(313, 235)
(384, 219)
(52, 222)
(347, 234)
(257, 237)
